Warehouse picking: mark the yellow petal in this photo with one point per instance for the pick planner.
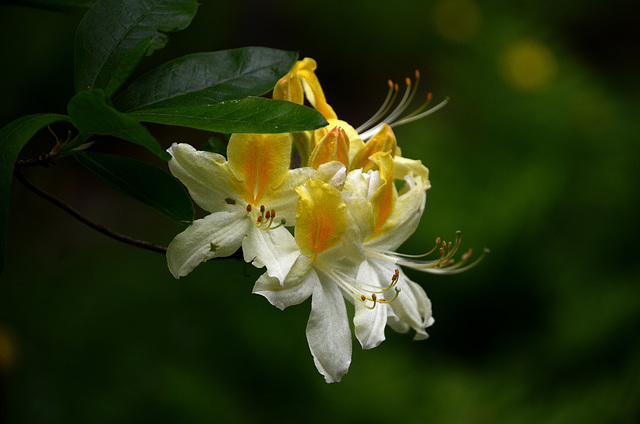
(260, 162)
(333, 146)
(305, 70)
(321, 218)
(289, 88)
(383, 141)
(383, 200)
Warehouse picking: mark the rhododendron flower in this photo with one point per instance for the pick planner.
(331, 250)
(392, 219)
(250, 196)
(354, 202)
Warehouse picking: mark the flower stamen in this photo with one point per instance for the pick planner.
(354, 288)
(445, 264)
(372, 126)
(386, 106)
(265, 220)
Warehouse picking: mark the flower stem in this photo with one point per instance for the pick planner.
(74, 213)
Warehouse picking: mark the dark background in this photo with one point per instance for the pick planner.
(535, 157)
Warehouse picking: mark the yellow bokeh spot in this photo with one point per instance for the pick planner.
(457, 20)
(528, 65)
(7, 351)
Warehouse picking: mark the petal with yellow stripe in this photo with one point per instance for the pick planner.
(321, 218)
(260, 162)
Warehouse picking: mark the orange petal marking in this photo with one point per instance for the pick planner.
(334, 146)
(260, 162)
(321, 218)
(383, 199)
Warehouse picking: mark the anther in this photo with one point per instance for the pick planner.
(394, 118)
(273, 213)
(248, 208)
(268, 215)
(262, 208)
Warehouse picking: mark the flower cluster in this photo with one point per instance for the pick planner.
(328, 229)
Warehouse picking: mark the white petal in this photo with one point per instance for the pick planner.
(361, 210)
(403, 167)
(413, 307)
(276, 249)
(368, 323)
(217, 235)
(332, 173)
(207, 177)
(295, 289)
(328, 331)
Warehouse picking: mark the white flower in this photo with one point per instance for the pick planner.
(392, 219)
(250, 197)
(330, 251)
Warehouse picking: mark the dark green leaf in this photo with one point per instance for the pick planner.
(251, 115)
(109, 40)
(91, 114)
(143, 182)
(127, 64)
(13, 137)
(203, 79)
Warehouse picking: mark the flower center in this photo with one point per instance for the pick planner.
(264, 218)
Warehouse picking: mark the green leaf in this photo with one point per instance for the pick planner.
(127, 64)
(141, 181)
(91, 114)
(203, 79)
(250, 115)
(13, 137)
(111, 38)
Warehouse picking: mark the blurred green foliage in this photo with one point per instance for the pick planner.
(534, 157)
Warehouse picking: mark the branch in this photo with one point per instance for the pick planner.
(74, 213)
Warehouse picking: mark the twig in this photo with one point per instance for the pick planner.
(74, 213)
(43, 160)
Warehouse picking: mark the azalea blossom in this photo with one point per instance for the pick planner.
(330, 251)
(379, 220)
(250, 197)
(355, 200)
(393, 218)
